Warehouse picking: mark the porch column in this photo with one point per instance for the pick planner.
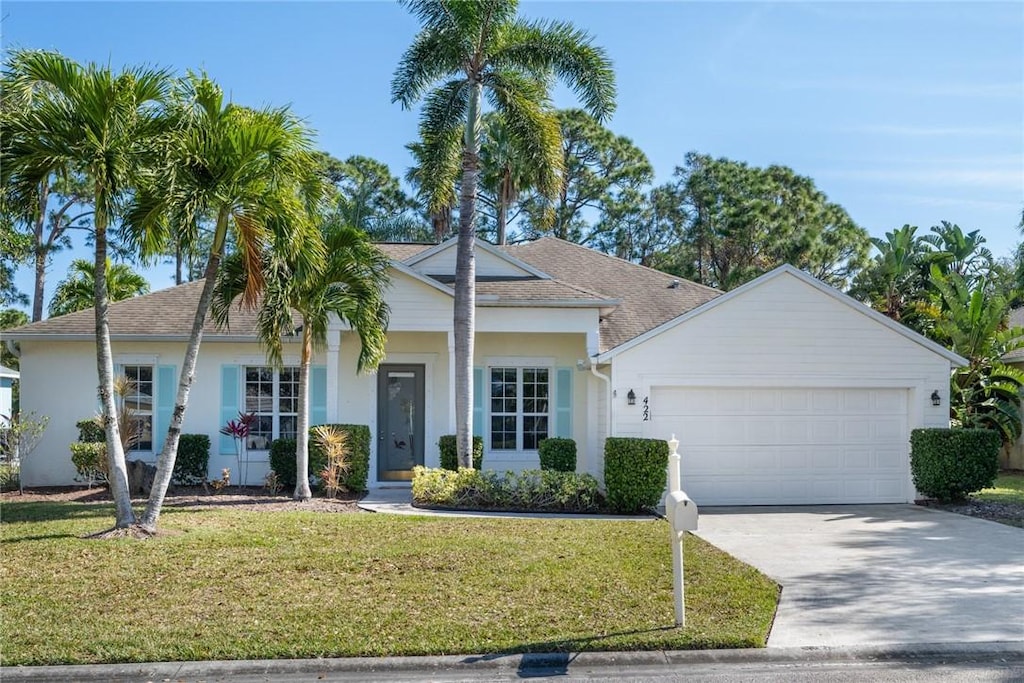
(333, 353)
(451, 382)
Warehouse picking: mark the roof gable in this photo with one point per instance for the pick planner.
(790, 271)
(491, 262)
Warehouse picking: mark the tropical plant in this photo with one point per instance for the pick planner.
(254, 172)
(896, 277)
(466, 51)
(955, 252)
(239, 430)
(334, 443)
(349, 284)
(102, 124)
(75, 292)
(986, 392)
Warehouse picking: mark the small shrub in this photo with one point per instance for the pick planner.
(558, 455)
(282, 457)
(192, 461)
(219, 485)
(334, 444)
(91, 430)
(634, 472)
(450, 452)
(90, 461)
(948, 464)
(9, 476)
(527, 491)
(272, 483)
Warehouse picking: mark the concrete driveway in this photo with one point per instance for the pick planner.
(874, 574)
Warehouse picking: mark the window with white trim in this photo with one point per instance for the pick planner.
(520, 407)
(139, 402)
(273, 397)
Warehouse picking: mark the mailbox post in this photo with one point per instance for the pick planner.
(682, 515)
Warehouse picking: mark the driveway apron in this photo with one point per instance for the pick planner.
(879, 574)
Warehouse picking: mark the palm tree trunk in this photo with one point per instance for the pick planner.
(117, 473)
(502, 220)
(302, 491)
(165, 461)
(465, 285)
(40, 255)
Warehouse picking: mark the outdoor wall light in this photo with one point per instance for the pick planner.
(631, 398)
(936, 399)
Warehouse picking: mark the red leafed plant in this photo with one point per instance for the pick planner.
(239, 430)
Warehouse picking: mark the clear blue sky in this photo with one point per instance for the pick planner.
(901, 112)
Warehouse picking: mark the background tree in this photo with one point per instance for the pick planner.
(598, 168)
(76, 291)
(255, 172)
(101, 124)
(955, 252)
(15, 248)
(463, 53)
(435, 187)
(349, 284)
(9, 319)
(743, 221)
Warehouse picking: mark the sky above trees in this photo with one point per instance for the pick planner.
(900, 112)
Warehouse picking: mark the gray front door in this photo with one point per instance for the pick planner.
(400, 408)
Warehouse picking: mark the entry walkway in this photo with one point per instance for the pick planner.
(398, 501)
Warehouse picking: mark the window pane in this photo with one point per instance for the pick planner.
(288, 427)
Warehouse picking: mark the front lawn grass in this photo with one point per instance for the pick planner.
(229, 584)
(1008, 488)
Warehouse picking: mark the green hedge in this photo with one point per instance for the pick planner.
(634, 472)
(91, 431)
(450, 452)
(948, 464)
(527, 491)
(192, 461)
(558, 455)
(282, 457)
(90, 461)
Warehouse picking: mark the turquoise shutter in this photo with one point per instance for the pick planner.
(478, 401)
(317, 395)
(229, 404)
(166, 381)
(563, 402)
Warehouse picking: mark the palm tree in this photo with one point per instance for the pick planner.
(464, 51)
(959, 253)
(506, 170)
(254, 172)
(102, 124)
(350, 285)
(76, 292)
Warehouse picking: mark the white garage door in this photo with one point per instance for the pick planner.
(787, 446)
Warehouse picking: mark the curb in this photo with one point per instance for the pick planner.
(535, 663)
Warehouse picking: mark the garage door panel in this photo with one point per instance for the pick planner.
(770, 446)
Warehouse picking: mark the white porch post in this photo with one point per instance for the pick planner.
(333, 389)
(451, 382)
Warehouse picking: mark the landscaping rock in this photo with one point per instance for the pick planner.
(140, 477)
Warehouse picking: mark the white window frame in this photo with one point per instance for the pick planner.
(275, 414)
(151, 413)
(518, 363)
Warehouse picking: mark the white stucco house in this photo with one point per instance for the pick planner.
(783, 391)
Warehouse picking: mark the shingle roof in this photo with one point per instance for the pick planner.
(642, 298)
(648, 297)
(164, 313)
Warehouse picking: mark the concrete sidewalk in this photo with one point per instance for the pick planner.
(576, 666)
(398, 501)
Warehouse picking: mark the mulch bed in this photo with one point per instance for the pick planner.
(1011, 514)
(234, 497)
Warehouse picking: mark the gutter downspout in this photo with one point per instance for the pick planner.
(593, 350)
(13, 347)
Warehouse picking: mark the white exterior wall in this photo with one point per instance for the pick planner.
(60, 381)
(487, 264)
(783, 333)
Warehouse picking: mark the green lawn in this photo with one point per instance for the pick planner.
(227, 584)
(1009, 488)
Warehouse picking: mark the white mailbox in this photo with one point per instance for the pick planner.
(682, 512)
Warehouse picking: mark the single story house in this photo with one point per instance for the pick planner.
(7, 379)
(783, 391)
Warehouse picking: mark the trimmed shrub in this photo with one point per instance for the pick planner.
(91, 431)
(9, 476)
(947, 464)
(192, 461)
(558, 455)
(527, 491)
(450, 452)
(90, 461)
(634, 472)
(282, 458)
